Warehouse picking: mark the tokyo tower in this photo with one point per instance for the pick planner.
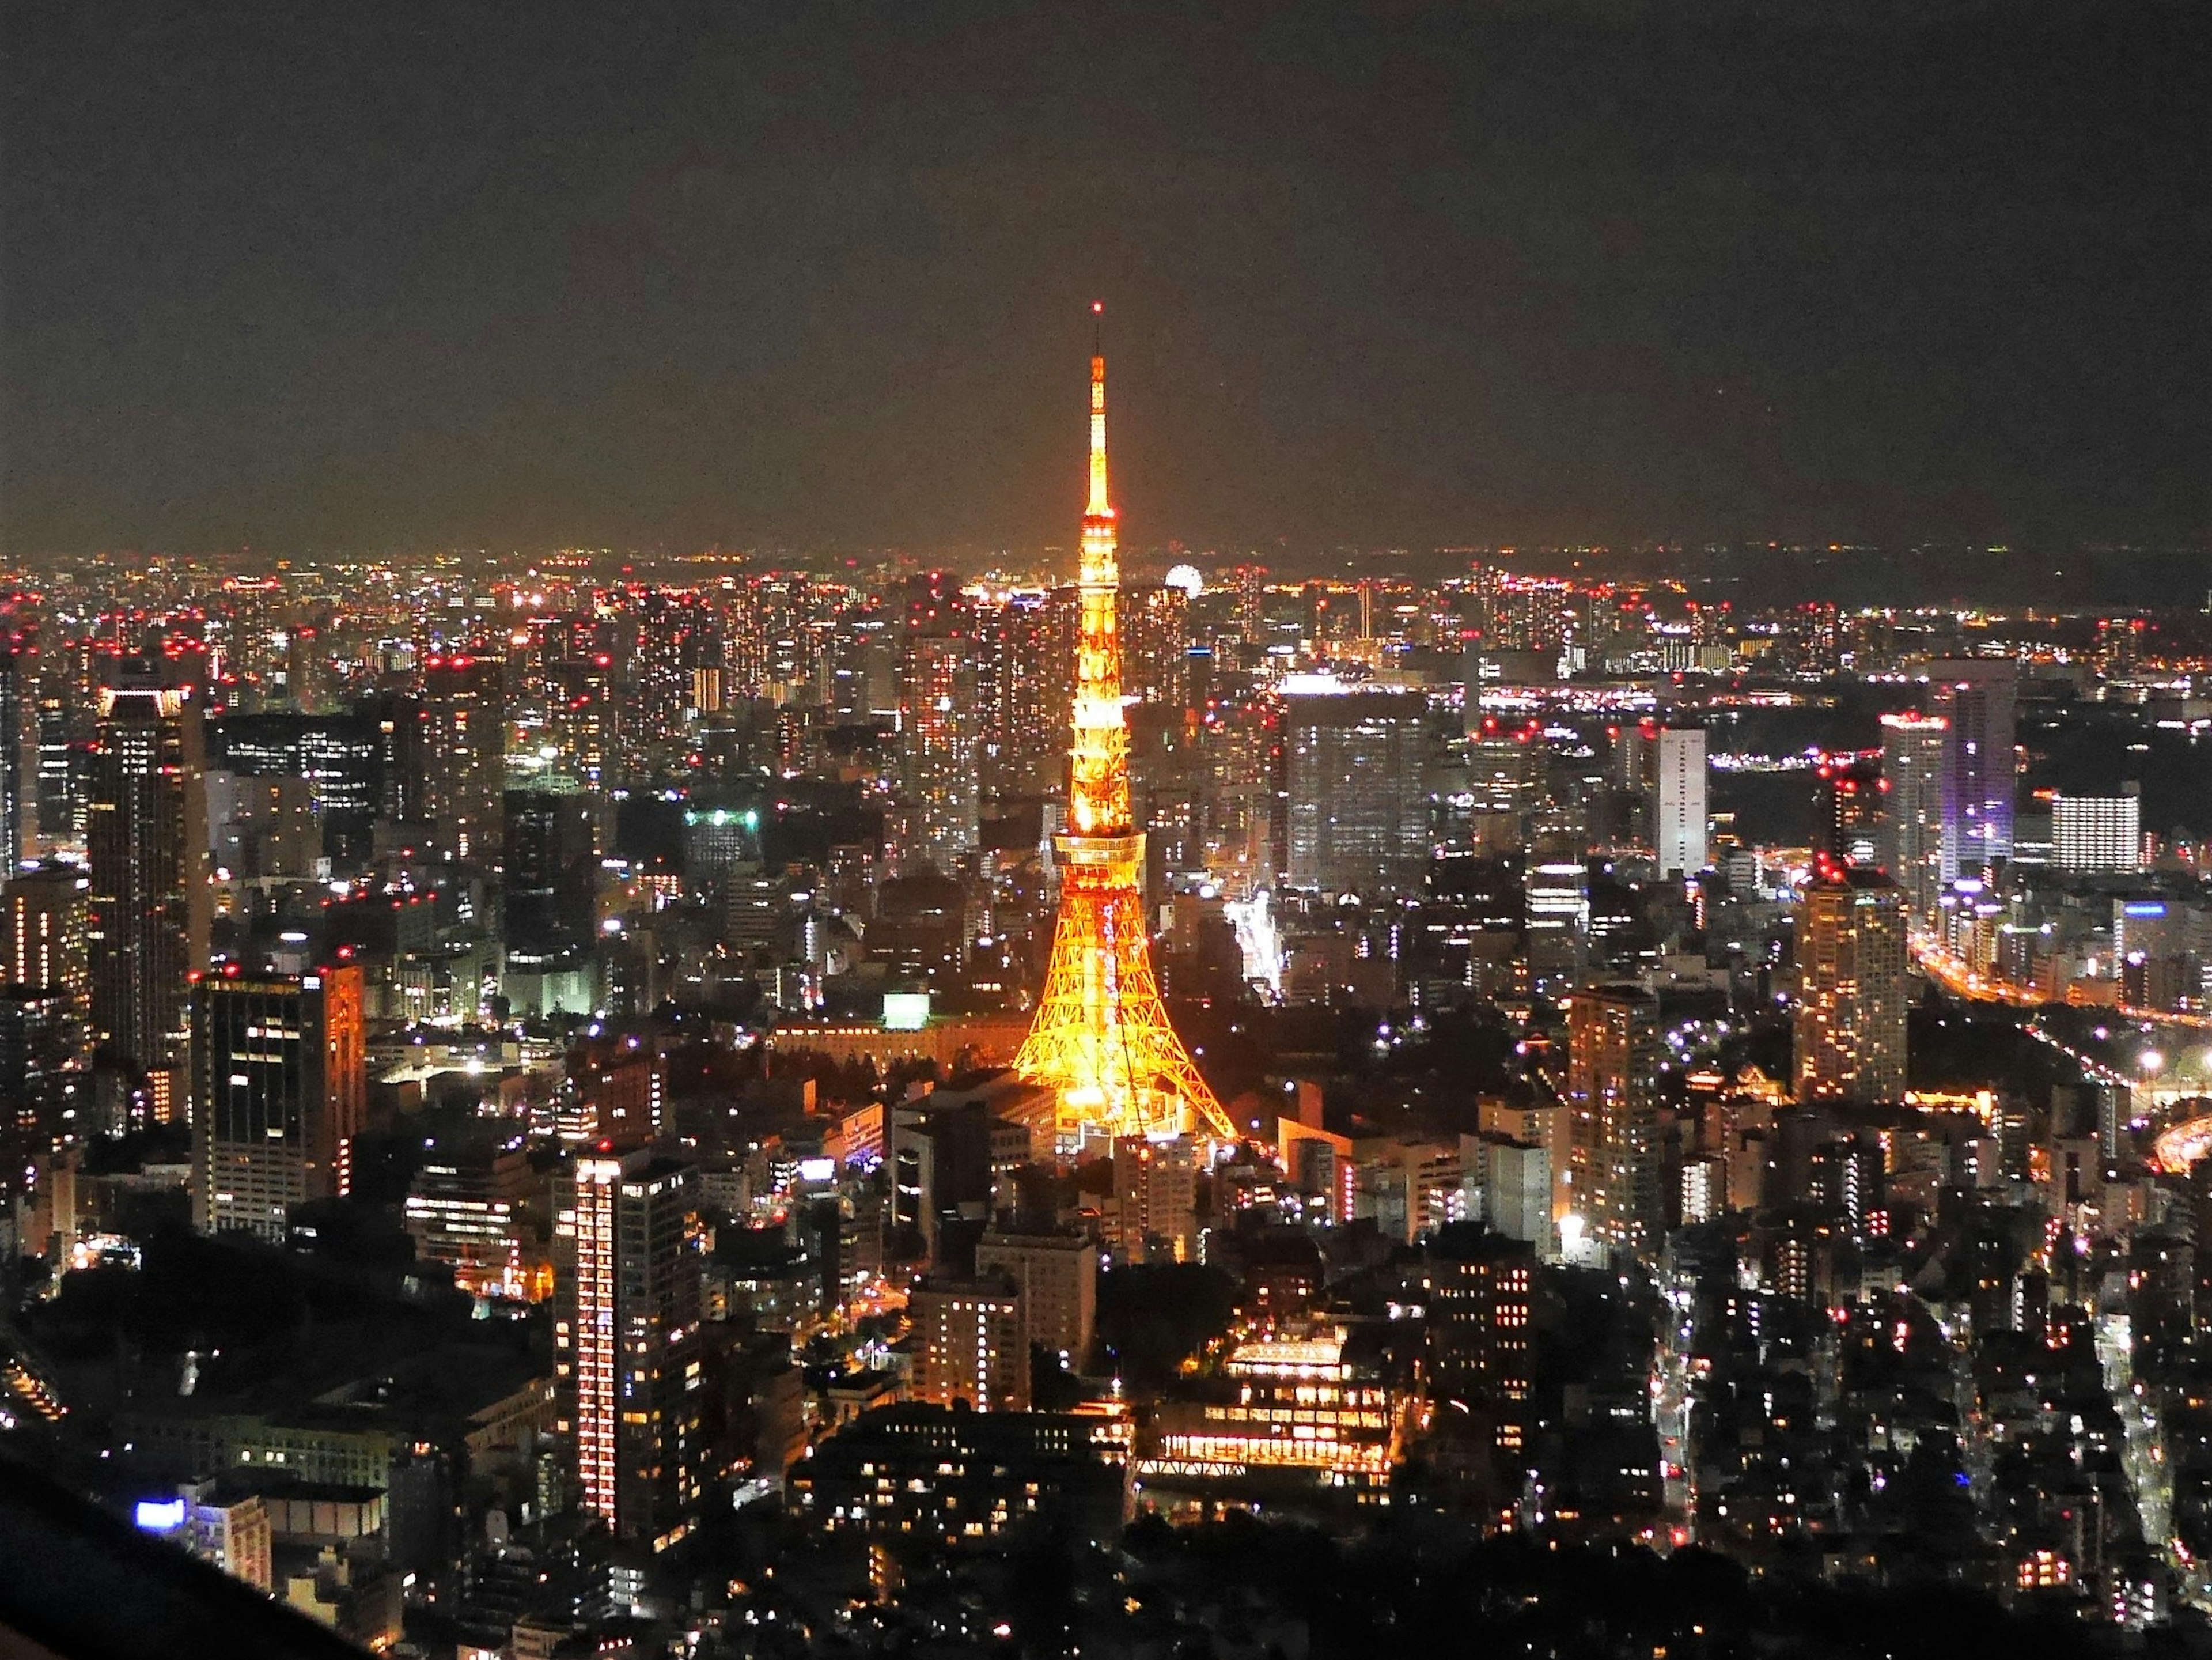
(1101, 1040)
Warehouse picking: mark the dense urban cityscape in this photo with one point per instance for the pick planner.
(1298, 829)
(602, 1103)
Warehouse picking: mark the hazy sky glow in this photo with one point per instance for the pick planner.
(410, 274)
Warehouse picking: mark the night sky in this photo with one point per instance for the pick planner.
(389, 274)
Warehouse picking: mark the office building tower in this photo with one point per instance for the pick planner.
(19, 792)
(627, 1345)
(42, 929)
(1356, 790)
(969, 1343)
(1057, 1275)
(279, 1091)
(1613, 1051)
(463, 752)
(1912, 751)
(2095, 833)
(1978, 697)
(148, 914)
(1477, 1288)
(464, 1208)
(1678, 801)
(1851, 987)
(1555, 884)
(550, 876)
(1847, 811)
(939, 723)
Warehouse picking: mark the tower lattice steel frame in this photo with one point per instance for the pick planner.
(1101, 1037)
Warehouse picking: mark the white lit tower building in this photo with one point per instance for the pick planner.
(1912, 750)
(1678, 801)
(2098, 833)
(627, 1345)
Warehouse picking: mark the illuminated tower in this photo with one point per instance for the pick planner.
(1101, 1038)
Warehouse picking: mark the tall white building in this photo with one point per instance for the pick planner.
(2098, 832)
(1913, 749)
(1677, 819)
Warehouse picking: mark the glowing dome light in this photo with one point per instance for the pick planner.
(1188, 578)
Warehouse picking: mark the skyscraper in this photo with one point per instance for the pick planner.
(464, 750)
(147, 918)
(1355, 786)
(1678, 814)
(1613, 1090)
(939, 723)
(1851, 987)
(628, 1349)
(1913, 749)
(19, 806)
(1978, 696)
(279, 1091)
(1101, 1040)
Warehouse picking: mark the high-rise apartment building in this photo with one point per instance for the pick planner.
(279, 1092)
(148, 910)
(1156, 1198)
(1678, 798)
(1912, 750)
(2091, 833)
(1057, 1275)
(627, 1344)
(1851, 987)
(1356, 792)
(1612, 1088)
(940, 724)
(969, 1343)
(1978, 697)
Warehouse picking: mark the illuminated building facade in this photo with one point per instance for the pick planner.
(463, 1209)
(1979, 698)
(2094, 833)
(1101, 1039)
(939, 725)
(1306, 1421)
(970, 1344)
(627, 1344)
(1613, 1090)
(1913, 747)
(1850, 988)
(1678, 813)
(279, 1092)
(149, 912)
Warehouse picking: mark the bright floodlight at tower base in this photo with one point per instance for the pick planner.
(1101, 1040)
